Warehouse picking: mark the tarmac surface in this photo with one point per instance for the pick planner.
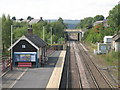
(32, 77)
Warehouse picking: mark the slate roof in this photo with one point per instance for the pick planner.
(36, 40)
(34, 21)
(116, 36)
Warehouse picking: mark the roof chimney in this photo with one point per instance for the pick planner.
(30, 30)
(41, 19)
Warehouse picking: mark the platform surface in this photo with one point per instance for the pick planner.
(39, 77)
(54, 81)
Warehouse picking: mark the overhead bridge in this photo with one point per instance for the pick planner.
(79, 31)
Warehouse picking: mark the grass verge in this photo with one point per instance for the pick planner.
(112, 58)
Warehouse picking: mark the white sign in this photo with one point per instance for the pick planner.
(103, 47)
(32, 57)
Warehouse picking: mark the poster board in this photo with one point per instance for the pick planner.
(25, 56)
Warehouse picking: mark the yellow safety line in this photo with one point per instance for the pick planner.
(55, 78)
(56, 44)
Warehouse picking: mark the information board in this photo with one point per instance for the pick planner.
(25, 56)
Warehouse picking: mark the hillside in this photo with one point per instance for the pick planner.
(71, 24)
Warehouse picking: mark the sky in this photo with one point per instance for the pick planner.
(53, 9)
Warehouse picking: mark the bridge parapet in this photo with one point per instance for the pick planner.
(79, 31)
(73, 30)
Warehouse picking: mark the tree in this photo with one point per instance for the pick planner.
(57, 30)
(97, 33)
(60, 20)
(114, 18)
(3, 31)
(98, 18)
(19, 29)
(18, 32)
(41, 20)
(21, 19)
(86, 23)
(6, 32)
(0, 34)
(14, 18)
(29, 18)
(3, 18)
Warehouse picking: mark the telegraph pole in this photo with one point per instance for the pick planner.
(11, 46)
(51, 35)
(11, 39)
(43, 33)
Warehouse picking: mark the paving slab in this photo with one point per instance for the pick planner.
(11, 76)
(38, 77)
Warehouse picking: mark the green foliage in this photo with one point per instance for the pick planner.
(18, 32)
(61, 40)
(114, 18)
(57, 30)
(97, 33)
(55, 38)
(14, 18)
(98, 18)
(86, 23)
(29, 18)
(112, 57)
(0, 33)
(60, 20)
(6, 32)
(19, 29)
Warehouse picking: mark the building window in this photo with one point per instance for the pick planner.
(23, 46)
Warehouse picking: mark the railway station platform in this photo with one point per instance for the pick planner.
(48, 76)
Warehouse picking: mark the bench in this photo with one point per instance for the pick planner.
(24, 64)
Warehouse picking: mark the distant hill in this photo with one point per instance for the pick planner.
(71, 24)
(72, 21)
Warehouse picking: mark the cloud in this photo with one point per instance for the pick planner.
(67, 9)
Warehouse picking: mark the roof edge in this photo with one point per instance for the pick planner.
(23, 38)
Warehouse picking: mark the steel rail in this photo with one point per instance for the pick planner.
(105, 79)
(80, 82)
(89, 70)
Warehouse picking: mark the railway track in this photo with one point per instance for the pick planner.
(99, 81)
(74, 75)
(95, 78)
